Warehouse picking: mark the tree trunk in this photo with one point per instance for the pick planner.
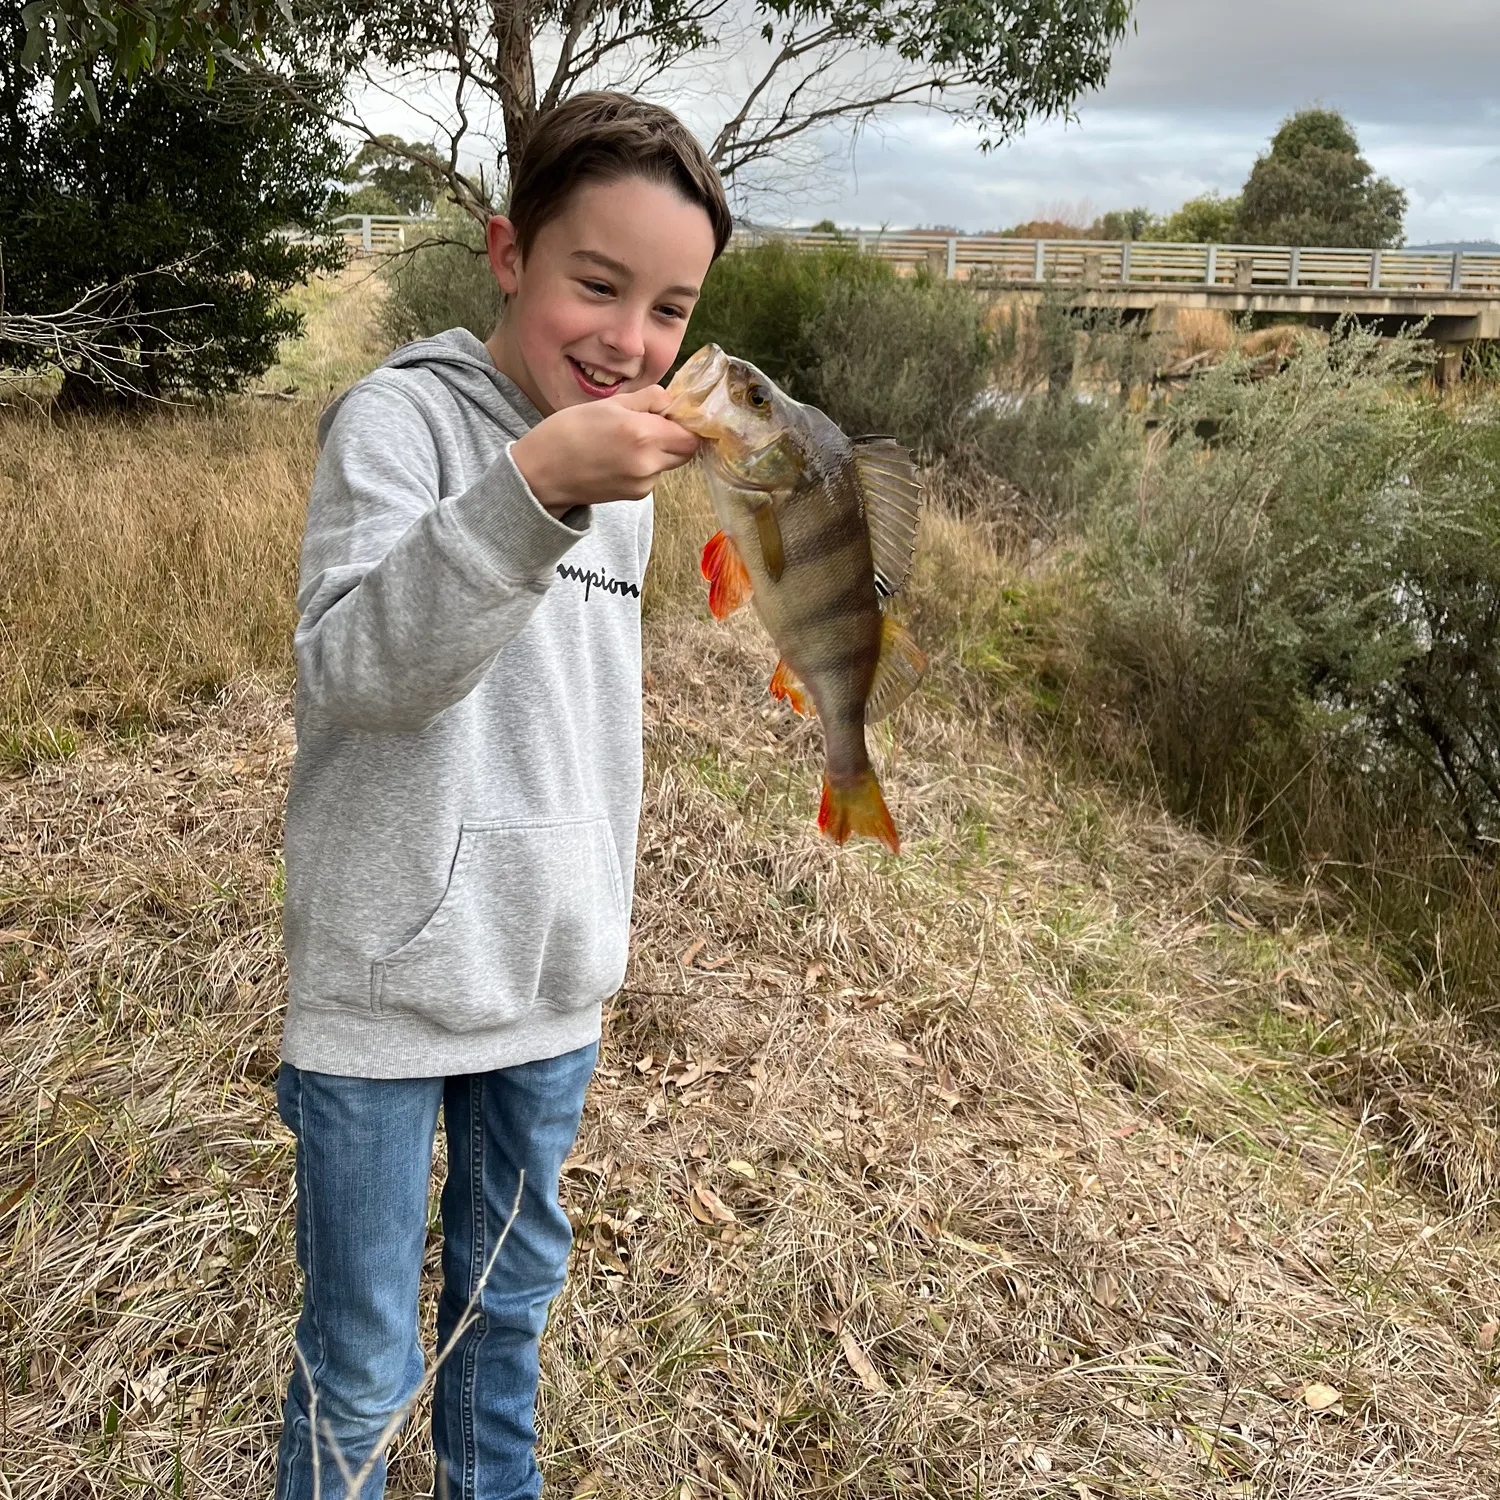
(515, 72)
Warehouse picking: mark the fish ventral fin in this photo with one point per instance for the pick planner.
(728, 580)
(897, 672)
(787, 686)
(857, 806)
(892, 497)
(772, 552)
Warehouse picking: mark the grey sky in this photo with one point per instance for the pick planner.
(1196, 93)
(1193, 95)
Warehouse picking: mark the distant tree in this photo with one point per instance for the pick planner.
(175, 201)
(1207, 220)
(390, 176)
(1049, 229)
(1124, 224)
(1314, 188)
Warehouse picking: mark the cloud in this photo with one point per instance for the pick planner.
(1195, 94)
(1378, 59)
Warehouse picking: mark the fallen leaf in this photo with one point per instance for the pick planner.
(975, 1248)
(17, 1193)
(1041, 1461)
(591, 1484)
(945, 1088)
(1107, 1289)
(905, 1053)
(708, 1207)
(814, 973)
(1487, 1334)
(859, 1362)
(16, 935)
(693, 949)
(1319, 1397)
(742, 1169)
(645, 1064)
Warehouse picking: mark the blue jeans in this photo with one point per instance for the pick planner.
(364, 1158)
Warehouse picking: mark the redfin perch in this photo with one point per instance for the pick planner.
(817, 530)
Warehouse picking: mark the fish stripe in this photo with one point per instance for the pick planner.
(854, 600)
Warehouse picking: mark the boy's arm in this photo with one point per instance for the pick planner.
(406, 598)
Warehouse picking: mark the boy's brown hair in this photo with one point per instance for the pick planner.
(602, 137)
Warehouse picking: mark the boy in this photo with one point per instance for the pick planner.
(461, 825)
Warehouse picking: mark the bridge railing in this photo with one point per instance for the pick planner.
(997, 259)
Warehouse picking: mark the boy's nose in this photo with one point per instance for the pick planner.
(626, 339)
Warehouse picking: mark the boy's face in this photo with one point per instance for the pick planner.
(601, 301)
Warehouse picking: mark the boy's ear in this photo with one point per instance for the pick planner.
(504, 252)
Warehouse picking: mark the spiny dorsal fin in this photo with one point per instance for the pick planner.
(893, 500)
(897, 672)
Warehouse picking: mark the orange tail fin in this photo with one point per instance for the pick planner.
(857, 806)
(728, 580)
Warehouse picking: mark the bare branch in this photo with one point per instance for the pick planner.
(94, 336)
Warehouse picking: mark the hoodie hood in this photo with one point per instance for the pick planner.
(462, 363)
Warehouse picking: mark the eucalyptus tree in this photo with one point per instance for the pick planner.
(775, 77)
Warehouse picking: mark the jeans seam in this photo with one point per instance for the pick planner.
(478, 1255)
(309, 1296)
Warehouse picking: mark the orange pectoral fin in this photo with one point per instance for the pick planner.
(857, 806)
(728, 581)
(787, 686)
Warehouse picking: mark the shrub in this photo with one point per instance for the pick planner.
(442, 281)
(840, 329)
(1247, 580)
(760, 304)
(177, 196)
(908, 358)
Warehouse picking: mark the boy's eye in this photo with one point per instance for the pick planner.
(670, 310)
(600, 288)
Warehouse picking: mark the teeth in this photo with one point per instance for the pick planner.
(600, 377)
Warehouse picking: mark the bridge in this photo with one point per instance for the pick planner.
(1456, 294)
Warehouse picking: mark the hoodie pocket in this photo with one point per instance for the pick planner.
(533, 912)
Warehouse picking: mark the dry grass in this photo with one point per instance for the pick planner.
(1197, 330)
(1004, 1169)
(146, 558)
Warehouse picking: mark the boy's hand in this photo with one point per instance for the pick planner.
(603, 450)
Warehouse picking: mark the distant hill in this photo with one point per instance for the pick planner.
(1459, 245)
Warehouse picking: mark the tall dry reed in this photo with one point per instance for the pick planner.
(149, 559)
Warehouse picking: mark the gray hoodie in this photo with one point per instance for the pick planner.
(461, 825)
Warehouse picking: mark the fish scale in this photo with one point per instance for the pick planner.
(795, 499)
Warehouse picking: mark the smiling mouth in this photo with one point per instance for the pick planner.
(594, 380)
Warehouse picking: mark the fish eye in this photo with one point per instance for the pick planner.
(758, 395)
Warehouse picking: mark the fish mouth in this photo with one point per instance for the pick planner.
(692, 385)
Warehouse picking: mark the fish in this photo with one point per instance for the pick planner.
(817, 532)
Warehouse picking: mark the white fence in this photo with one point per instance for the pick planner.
(997, 259)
